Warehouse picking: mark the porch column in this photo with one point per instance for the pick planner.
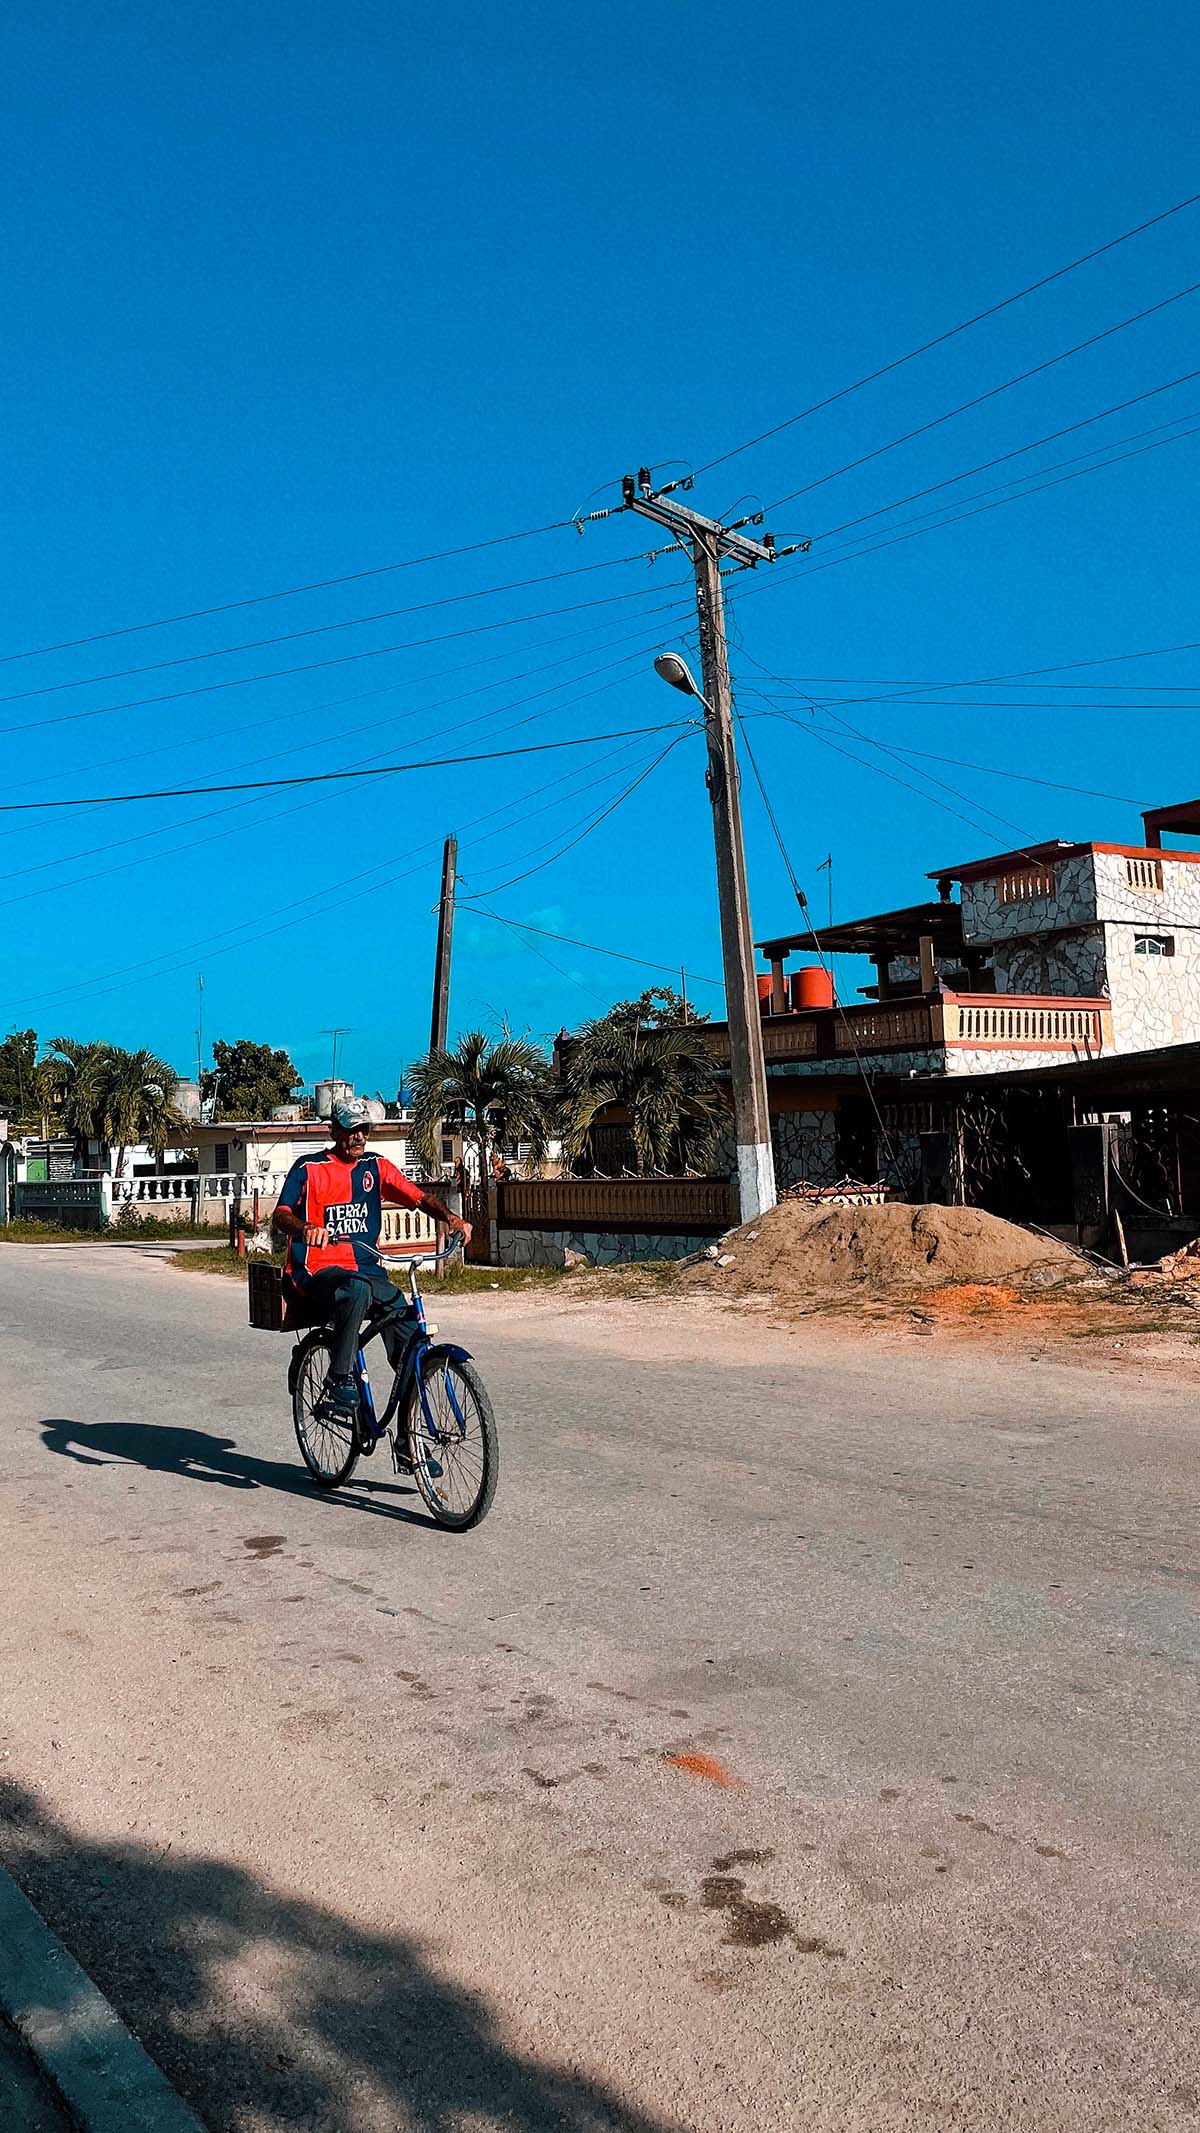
(928, 966)
(778, 988)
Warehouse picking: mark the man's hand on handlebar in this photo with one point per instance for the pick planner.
(315, 1235)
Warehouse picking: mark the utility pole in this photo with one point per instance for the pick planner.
(440, 1020)
(708, 543)
(199, 1029)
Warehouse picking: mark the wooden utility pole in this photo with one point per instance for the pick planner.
(440, 1020)
(708, 543)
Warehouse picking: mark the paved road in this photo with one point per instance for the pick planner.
(364, 1826)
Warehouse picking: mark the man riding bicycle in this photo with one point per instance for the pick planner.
(331, 1208)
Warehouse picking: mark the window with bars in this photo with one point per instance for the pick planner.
(1154, 944)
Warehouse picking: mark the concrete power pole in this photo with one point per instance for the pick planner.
(708, 543)
(440, 1020)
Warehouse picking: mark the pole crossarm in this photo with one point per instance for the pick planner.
(690, 525)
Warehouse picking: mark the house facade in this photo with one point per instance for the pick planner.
(1059, 956)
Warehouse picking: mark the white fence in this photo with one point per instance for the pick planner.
(211, 1197)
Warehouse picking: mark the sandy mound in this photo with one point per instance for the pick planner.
(800, 1251)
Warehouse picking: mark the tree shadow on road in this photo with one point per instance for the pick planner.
(197, 1455)
(327, 2026)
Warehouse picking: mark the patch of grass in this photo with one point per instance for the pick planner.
(220, 1259)
(24, 1231)
(150, 1230)
(460, 1280)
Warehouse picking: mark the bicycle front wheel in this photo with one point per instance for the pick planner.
(452, 1440)
(327, 1444)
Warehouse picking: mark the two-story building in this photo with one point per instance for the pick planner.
(1030, 972)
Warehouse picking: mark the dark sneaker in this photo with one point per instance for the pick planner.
(339, 1402)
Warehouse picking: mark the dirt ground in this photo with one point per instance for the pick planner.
(901, 1275)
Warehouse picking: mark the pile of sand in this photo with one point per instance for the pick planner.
(798, 1251)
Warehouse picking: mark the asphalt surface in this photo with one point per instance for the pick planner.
(806, 1740)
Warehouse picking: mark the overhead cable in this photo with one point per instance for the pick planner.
(980, 399)
(321, 629)
(478, 629)
(326, 777)
(287, 592)
(898, 362)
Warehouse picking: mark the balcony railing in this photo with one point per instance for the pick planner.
(1034, 1022)
(933, 1022)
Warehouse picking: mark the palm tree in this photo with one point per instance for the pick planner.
(71, 1079)
(662, 1078)
(493, 1092)
(137, 1103)
(103, 1093)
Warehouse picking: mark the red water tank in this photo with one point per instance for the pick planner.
(764, 995)
(811, 987)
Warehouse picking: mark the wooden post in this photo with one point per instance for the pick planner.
(440, 1019)
(752, 1125)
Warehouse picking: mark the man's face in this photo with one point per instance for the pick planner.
(349, 1142)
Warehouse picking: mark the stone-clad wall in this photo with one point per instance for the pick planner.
(1155, 998)
(985, 918)
(549, 1247)
(1177, 903)
(804, 1144)
(926, 1059)
(1054, 963)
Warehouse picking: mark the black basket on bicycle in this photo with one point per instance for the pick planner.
(265, 1296)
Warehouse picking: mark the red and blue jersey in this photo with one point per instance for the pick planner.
(346, 1200)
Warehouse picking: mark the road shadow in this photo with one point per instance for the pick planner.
(198, 1455)
(329, 2027)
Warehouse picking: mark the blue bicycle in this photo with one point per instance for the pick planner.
(438, 1418)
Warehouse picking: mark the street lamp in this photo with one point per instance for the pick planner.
(677, 672)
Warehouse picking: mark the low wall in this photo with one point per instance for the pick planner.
(600, 1247)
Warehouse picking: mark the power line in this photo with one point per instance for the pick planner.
(1017, 452)
(238, 805)
(193, 844)
(127, 973)
(980, 399)
(288, 592)
(951, 332)
(618, 955)
(896, 540)
(1029, 484)
(323, 629)
(495, 888)
(898, 692)
(324, 777)
(141, 703)
(802, 900)
(334, 703)
(992, 770)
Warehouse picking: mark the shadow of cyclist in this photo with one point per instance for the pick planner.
(165, 1448)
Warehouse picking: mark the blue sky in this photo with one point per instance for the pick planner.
(298, 292)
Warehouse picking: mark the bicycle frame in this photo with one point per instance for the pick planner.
(408, 1371)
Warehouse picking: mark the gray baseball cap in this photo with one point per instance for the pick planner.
(351, 1111)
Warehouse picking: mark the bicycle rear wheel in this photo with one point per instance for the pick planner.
(452, 1440)
(327, 1446)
